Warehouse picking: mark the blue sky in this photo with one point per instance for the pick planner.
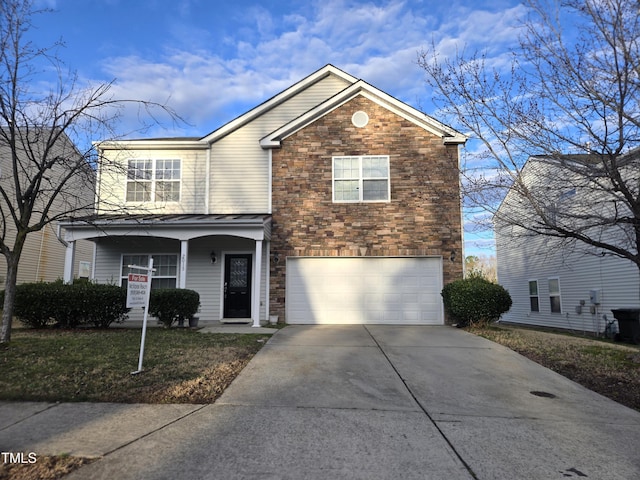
(212, 61)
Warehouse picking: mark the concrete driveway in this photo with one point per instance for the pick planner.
(378, 402)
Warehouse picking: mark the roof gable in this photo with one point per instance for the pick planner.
(278, 100)
(360, 87)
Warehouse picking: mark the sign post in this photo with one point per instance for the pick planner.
(138, 291)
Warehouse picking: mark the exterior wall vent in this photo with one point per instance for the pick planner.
(360, 119)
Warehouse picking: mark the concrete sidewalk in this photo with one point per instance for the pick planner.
(354, 402)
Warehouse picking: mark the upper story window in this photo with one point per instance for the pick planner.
(361, 179)
(560, 206)
(153, 180)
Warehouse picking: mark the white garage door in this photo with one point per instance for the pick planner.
(397, 290)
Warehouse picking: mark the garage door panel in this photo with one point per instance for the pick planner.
(339, 290)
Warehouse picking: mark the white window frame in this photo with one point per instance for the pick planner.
(144, 261)
(139, 182)
(156, 177)
(554, 294)
(360, 179)
(536, 296)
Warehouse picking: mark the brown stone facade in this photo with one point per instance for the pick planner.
(422, 218)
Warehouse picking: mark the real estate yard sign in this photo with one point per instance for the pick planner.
(138, 289)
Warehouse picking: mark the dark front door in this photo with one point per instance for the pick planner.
(237, 286)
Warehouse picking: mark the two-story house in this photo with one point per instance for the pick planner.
(331, 202)
(558, 283)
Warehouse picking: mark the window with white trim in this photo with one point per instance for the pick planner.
(554, 295)
(166, 269)
(361, 179)
(153, 180)
(534, 299)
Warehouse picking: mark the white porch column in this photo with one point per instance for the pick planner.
(257, 271)
(184, 256)
(69, 258)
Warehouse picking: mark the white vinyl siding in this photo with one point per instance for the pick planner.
(240, 167)
(183, 194)
(521, 261)
(42, 258)
(202, 276)
(237, 180)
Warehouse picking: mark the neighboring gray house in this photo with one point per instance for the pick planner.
(553, 284)
(331, 202)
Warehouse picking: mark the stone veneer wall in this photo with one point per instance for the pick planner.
(423, 217)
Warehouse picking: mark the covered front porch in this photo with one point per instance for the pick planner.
(225, 258)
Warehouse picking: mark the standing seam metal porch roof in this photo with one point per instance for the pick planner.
(177, 226)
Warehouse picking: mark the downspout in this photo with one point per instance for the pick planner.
(462, 253)
(63, 242)
(207, 187)
(59, 236)
(96, 197)
(270, 188)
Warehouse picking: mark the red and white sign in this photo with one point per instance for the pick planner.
(137, 288)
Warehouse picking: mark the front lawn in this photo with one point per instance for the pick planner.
(180, 365)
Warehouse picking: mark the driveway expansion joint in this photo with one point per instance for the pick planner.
(424, 410)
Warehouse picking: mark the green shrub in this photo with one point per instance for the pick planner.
(99, 305)
(475, 300)
(41, 304)
(33, 305)
(171, 304)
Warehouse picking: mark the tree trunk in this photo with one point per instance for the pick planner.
(9, 297)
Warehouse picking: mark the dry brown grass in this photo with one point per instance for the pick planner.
(46, 468)
(611, 369)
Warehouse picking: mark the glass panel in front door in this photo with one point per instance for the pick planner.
(237, 286)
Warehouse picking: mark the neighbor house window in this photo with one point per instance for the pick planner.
(361, 179)
(558, 207)
(153, 180)
(534, 300)
(166, 269)
(554, 295)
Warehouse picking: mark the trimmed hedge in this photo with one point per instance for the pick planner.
(171, 304)
(475, 300)
(42, 304)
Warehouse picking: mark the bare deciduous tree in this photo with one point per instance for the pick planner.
(558, 126)
(483, 266)
(42, 171)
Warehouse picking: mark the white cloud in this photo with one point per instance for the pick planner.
(211, 82)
